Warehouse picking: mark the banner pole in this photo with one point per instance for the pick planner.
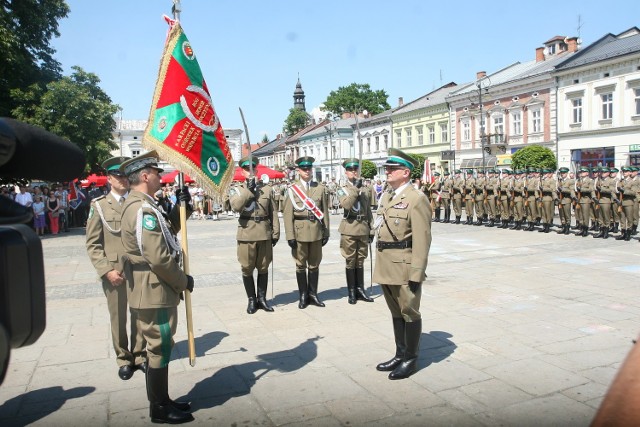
(185, 266)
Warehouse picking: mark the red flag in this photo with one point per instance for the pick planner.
(183, 126)
(427, 176)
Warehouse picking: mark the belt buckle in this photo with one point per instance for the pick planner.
(312, 217)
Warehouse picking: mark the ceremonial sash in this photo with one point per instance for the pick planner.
(308, 202)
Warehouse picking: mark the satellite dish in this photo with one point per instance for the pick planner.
(265, 178)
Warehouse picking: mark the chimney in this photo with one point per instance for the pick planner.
(539, 54)
(400, 101)
(572, 44)
(481, 74)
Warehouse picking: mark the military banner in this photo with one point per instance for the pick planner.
(183, 126)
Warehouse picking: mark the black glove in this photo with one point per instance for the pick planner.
(292, 243)
(189, 286)
(183, 195)
(251, 184)
(274, 242)
(325, 240)
(358, 183)
(414, 286)
(371, 237)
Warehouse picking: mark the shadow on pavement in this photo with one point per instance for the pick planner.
(237, 380)
(435, 347)
(38, 404)
(333, 294)
(204, 343)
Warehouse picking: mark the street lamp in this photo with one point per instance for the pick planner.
(482, 84)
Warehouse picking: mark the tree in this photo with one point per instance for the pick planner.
(356, 98)
(75, 108)
(534, 156)
(26, 29)
(297, 120)
(368, 169)
(265, 139)
(417, 172)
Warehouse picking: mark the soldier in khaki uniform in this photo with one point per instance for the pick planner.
(517, 198)
(403, 227)
(355, 229)
(154, 278)
(585, 195)
(605, 189)
(479, 199)
(447, 190)
(505, 184)
(628, 189)
(469, 196)
(548, 187)
(104, 248)
(258, 232)
(306, 225)
(566, 194)
(458, 194)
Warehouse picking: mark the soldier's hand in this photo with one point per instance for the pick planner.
(292, 243)
(251, 184)
(115, 277)
(574, 199)
(325, 240)
(414, 286)
(190, 283)
(184, 196)
(359, 183)
(371, 237)
(274, 242)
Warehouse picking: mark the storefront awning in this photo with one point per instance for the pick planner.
(489, 161)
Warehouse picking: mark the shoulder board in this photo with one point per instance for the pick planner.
(99, 198)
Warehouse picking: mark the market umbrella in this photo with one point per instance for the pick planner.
(169, 178)
(258, 171)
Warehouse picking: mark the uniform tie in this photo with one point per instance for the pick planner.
(121, 200)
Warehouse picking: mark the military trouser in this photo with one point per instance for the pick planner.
(532, 207)
(402, 302)
(636, 213)
(255, 255)
(547, 209)
(626, 219)
(615, 214)
(468, 207)
(354, 250)
(604, 213)
(158, 326)
(435, 202)
(457, 205)
(118, 307)
(518, 208)
(584, 213)
(564, 210)
(307, 255)
(479, 207)
(504, 207)
(491, 207)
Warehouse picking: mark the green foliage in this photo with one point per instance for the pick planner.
(534, 156)
(26, 29)
(368, 169)
(75, 108)
(356, 98)
(265, 139)
(417, 172)
(297, 120)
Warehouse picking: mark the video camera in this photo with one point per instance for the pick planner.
(26, 151)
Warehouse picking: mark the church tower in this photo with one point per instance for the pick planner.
(298, 97)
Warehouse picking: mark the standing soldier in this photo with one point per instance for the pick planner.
(517, 198)
(458, 192)
(469, 186)
(566, 194)
(306, 225)
(479, 197)
(258, 232)
(447, 190)
(617, 207)
(332, 189)
(492, 188)
(355, 229)
(435, 192)
(505, 184)
(104, 247)
(628, 190)
(605, 188)
(276, 195)
(154, 278)
(403, 225)
(532, 191)
(636, 204)
(585, 195)
(548, 187)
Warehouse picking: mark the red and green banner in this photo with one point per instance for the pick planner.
(183, 126)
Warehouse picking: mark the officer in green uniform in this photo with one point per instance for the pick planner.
(306, 225)
(355, 229)
(104, 248)
(403, 227)
(258, 232)
(532, 191)
(154, 278)
(458, 194)
(566, 194)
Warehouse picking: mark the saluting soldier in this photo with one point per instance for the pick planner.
(446, 192)
(403, 227)
(154, 278)
(517, 197)
(355, 229)
(548, 188)
(105, 249)
(469, 197)
(258, 232)
(566, 195)
(585, 195)
(306, 225)
(458, 193)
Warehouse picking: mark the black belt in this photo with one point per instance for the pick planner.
(503, 193)
(605, 194)
(547, 193)
(356, 217)
(489, 192)
(626, 197)
(311, 217)
(393, 245)
(255, 218)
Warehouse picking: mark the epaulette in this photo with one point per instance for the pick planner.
(99, 198)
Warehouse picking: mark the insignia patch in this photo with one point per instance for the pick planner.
(400, 206)
(91, 212)
(232, 192)
(149, 222)
(341, 192)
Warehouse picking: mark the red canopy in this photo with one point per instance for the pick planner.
(258, 172)
(169, 178)
(100, 180)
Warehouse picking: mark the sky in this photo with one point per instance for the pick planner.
(252, 52)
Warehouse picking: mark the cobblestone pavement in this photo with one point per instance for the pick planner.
(520, 328)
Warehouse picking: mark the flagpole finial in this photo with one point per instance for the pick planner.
(176, 9)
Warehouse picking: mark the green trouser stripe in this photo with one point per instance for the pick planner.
(165, 336)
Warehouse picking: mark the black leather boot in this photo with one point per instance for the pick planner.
(398, 334)
(634, 229)
(458, 218)
(615, 227)
(360, 292)
(303, 288)
(561, 231)
(437, 215)
(263, 281)
(447, 214)
(606, 233)
(623, 234)
(567, 229)
(577, 226)
(627, 235)
(469, 221)
(313, 288)
(478, 222)
(351, 284)
(161, 408)
(409, 364)
(491, 223)
(585, 231)
(250, 289)
(600, 233)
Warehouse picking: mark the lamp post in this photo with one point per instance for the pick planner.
(482, 84)
(328, 129)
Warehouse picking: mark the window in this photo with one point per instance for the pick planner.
(377, 143)
(408, 132)
(552, 49)
(577, 110)
(135, 153)
(466, 131)
(536, 121)
(516, 118)
(444, 133)
(368, 145)
(498, 124)
(326, 153)
(420, 137)
(607, 106)
(386, 142)
(399, 139)
(637, 95)
(432, 135)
